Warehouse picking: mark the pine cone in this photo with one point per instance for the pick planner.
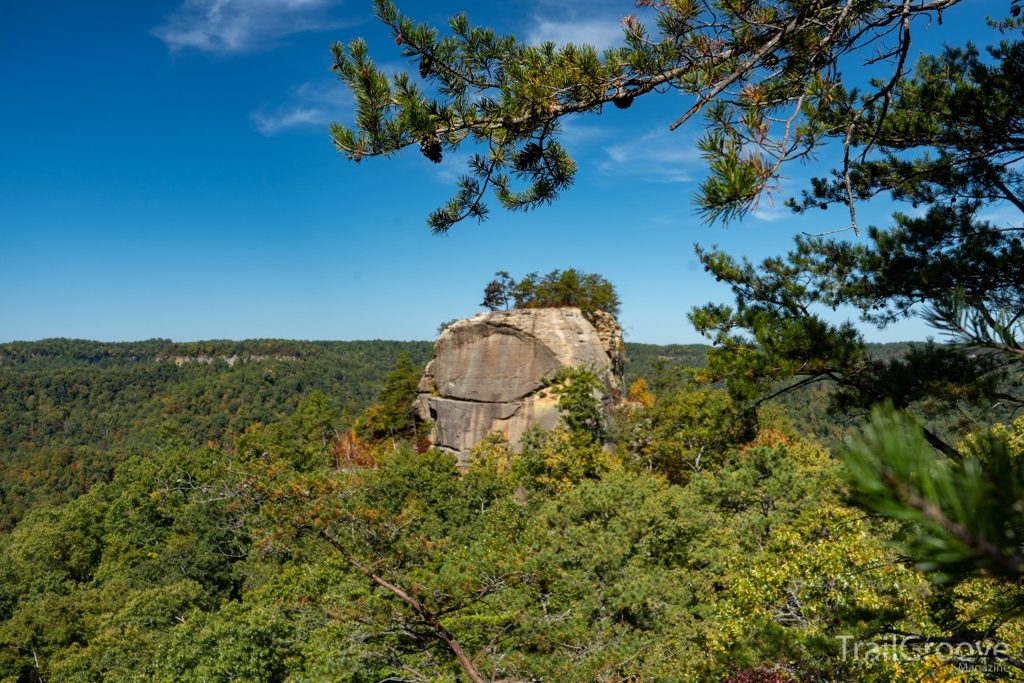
(425, 63)
(770, 60)
(431, 148)
(624, 102)
(530, 155)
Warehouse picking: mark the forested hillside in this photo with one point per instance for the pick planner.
(194, 521)
(71, 410)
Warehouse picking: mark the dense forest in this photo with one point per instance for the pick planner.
(71, 410)
(167, 518)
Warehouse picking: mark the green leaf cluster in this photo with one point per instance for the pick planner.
(588, 292)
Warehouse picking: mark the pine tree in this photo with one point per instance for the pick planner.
(764, 74)
(964, 274)
(496, 294)
(393, 415)
(946, 136)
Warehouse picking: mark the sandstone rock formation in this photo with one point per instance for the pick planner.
(487, 370)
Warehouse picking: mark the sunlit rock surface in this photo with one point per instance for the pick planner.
(487, 371)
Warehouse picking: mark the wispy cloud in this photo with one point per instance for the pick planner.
(591, 22)
(769, 211)
(577, 134)
(315, 103)
(599, 32)
(242, 25)
(660, 156)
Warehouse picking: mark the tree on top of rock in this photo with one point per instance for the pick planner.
(559, 288)
(496, 293)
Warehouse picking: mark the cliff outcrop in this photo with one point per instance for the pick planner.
(487, 373)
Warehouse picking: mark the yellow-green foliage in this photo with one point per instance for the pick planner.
(554, 461)
(681, 432)
(1012, 436)
(565, 562)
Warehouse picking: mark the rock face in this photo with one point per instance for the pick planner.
(487, 370)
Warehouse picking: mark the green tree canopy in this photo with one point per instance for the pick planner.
(587, 291)
(393, 415)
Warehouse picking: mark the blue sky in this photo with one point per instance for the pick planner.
(165, 171)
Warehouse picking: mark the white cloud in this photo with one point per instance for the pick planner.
(768, 211)
(315, 103)
(575, 134)
(660, 156)
(599, 32)
(242, 25)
